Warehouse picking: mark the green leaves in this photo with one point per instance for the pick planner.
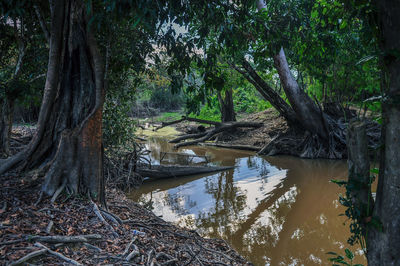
(340, 260)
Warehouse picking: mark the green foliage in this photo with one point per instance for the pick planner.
(340, 260)
(360, 219)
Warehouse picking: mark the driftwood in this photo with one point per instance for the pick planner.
(233, 146)
(167, 171)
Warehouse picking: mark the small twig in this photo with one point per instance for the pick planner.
(61, 256)
(150, 256)
(11, 242)
(49, 227)
(135, 252)
(39, 199)
(92, 247)
(29, 256)
(129, 246)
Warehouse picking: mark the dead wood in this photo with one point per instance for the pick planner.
(233, 146)
(31, 255)
(67, 239)
(59, 255)
(221, 128)
(186, 118)
(100, 216)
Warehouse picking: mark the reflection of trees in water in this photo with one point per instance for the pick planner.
(178, 203)
(299, 220)
(229, 202)
(262, 166)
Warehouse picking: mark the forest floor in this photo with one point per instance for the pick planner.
(70, 231)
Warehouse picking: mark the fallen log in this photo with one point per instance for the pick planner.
(221, 128)
(166, 171)
(191, 119)
(233, 146)
(66, 239)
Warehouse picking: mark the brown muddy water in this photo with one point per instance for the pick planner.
(273, 210)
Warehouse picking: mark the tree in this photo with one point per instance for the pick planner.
(384, 245)
(68, 141)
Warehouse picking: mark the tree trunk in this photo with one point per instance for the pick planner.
(269, 93)
(359, 181)
(384, 244)
(68, 141)
(6, 120)
(226, 106)
(307, 112)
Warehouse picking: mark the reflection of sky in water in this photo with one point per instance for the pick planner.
(273, 210)
(193, 198)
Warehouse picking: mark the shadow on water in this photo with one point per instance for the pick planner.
(273, 210)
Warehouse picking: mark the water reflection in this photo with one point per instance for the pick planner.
(273, 210)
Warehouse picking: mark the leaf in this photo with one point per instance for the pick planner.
(349, 254)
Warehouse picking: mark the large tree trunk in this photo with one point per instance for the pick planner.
(6, 120)
(268, 93)
(226, 106)
(384, 244)
(68, 141)
(307, 112)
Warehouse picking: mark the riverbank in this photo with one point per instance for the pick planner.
(129, 234)
(242, 138)
(77, 231)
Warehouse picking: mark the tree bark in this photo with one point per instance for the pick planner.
(6, 121)
(269, 93)
(7, 103)
(68, 141)
(226, 106)
(307, 112)
(384, 245)
(359, 180)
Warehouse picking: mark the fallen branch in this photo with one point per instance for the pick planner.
(59, 255)
(29, 256)
(191, 119)
(233, 146)
(49, 226)
(67, 239)
(100, 216)
(135, 252)
(129, 246)
(223, 127)
(188, 136)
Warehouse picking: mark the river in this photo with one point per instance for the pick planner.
(276, 210)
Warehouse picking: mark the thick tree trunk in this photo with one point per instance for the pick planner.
(269, 93)
(359, 180)
(307, 112)
(384, 244)
(226, 106)
(68, 141)
(6, 120)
